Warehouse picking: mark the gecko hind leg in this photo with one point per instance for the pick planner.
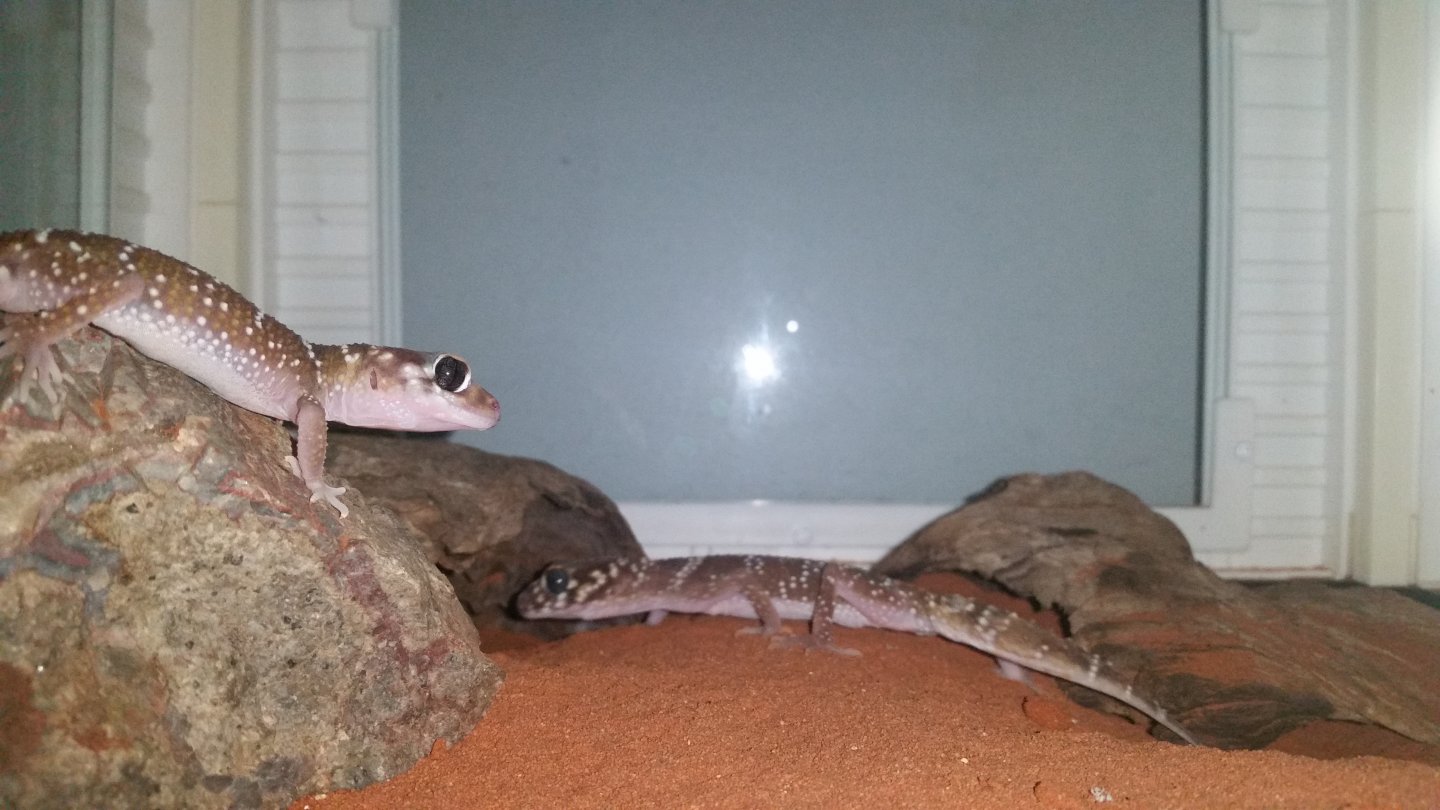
(822, 633)
(30, 336)
(770, 624)
(34, 359)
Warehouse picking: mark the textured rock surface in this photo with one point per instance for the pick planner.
(491, 522)
(180, 627)
(1238, 666)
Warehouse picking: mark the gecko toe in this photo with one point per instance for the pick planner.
(331, 495)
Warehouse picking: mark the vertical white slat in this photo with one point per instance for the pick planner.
(130, 94)
(1286, 312)
(164, 169)
(95, 68)
(1427, 562)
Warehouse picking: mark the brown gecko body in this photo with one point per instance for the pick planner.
(772, 589)
(54, 282)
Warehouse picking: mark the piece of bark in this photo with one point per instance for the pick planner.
(1237, 666)
(490, 522)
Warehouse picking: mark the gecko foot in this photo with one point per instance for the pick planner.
(1011, 671)
(759, 630)
(810, 642)
(319, 489)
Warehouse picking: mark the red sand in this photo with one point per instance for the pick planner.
(688, 714)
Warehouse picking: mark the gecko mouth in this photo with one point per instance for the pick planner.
(477, 411)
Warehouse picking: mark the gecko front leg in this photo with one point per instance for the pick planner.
(770, 623)
(309, 460)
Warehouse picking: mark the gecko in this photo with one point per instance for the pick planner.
(53, 282)
(773, 589)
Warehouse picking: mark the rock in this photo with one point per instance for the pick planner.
(1237, 666)
(490, 522)
(181, 627)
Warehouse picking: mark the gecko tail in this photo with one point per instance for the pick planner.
(1017, 643)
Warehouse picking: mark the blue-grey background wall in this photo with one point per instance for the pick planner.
(813, 250)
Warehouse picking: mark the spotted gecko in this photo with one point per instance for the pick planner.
(53, 282)
(773, 589)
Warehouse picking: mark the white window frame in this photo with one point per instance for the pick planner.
(1427, 559)
(1277, 463)
(95, 70)
(1222, 529)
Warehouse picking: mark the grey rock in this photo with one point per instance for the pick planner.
(181, 627)
(490, 522)
(1238, 666)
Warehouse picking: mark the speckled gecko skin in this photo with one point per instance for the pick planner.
(773, 589)
(54, 282)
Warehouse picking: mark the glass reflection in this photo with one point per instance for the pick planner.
(757, 365)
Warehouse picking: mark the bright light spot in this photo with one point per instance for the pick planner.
(792, 326)
(758, 363)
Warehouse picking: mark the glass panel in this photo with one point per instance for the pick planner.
(40, 114)
(814, 250)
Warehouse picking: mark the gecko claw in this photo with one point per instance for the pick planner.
(320, 489)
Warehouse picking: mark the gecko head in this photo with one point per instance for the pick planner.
(597, 589)
(402, 389)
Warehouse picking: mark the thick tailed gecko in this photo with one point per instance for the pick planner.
(772, 589)
(54, 282)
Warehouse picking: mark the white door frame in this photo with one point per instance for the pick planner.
(1427, 560)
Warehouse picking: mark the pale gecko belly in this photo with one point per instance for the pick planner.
(789, 610)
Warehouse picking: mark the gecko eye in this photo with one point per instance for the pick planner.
(556, 581)
(451, 373)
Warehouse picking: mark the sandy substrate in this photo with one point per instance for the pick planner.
(690, 714)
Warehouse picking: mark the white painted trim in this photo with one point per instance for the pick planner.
(1219, 219)
(387, 299)
(167, 121)
(1223, 524)
(1427, 563)
(96, 30)
(1345, 123)
(863, 532)
(260, 285)
(381, 16)
(856, 532)
(1348, 286)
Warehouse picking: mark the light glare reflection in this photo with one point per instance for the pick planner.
(758, 364)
